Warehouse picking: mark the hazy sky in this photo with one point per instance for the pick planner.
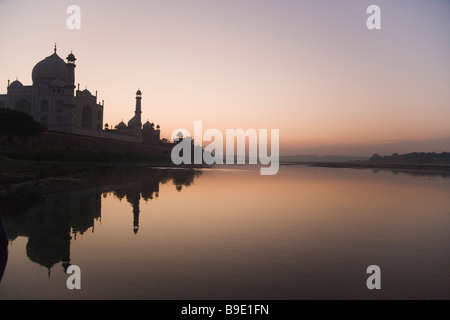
(309, 68)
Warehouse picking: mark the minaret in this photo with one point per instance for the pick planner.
(137, 115)
(69, 89)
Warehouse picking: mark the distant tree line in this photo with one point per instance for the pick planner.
(413, 158)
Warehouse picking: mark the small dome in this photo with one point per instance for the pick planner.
(121, 125)
(138, 93)
(148, 125)
(58, 83)
(158, 127)
(86, 91)
(71, 57)
(16, 84)
(49, 69)
(180, 135)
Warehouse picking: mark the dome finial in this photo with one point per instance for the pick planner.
(54, 50)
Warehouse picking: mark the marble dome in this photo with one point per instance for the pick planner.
(49, 69)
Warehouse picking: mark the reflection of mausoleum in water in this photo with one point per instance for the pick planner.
(54, 223)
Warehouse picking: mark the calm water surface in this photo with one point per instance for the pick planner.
(229, 233)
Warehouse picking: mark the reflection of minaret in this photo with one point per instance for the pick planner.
(136, 218)
(134, 197)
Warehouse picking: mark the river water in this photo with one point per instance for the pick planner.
(230, 233)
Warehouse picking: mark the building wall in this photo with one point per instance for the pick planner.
(88, 113)
(22, 99)
(109, 134)
(48, 107)
(50, 140)
(150, 136)
(49, 110)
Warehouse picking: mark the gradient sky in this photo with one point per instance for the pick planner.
(309, 68)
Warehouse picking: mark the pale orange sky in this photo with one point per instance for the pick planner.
(308, 68)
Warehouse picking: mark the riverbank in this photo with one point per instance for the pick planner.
(21, 177)
(441, 169)
(24, 183)
(24, 173)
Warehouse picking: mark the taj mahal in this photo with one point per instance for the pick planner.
(53, 101)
